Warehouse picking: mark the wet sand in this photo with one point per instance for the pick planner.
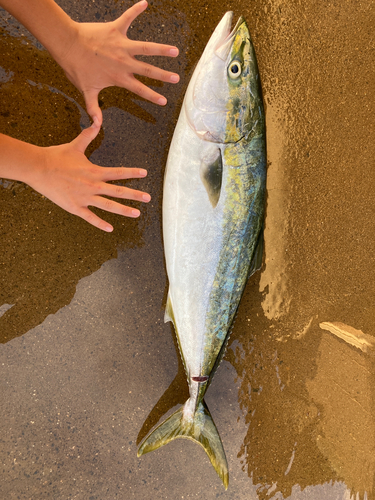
(88, 366)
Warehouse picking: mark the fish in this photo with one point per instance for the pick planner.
(213, 217)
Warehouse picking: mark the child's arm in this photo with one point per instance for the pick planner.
(64, 175)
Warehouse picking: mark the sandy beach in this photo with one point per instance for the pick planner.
(87, 365)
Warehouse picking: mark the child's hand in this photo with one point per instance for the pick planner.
(71, 181)
(101, 55)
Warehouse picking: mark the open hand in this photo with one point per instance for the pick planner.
(101, 55)
(71, 181)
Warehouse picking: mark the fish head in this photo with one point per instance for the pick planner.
(222, 99)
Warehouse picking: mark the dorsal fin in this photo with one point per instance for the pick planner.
(211, 172)
(256, 262)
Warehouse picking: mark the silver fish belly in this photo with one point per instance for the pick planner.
(213, 212)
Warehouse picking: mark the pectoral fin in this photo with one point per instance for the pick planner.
(211, 172)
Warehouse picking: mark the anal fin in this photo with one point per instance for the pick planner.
(168, 315)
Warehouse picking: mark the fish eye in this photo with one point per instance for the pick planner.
(234, 69)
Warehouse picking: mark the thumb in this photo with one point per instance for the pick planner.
(86, 136)
(92, 105)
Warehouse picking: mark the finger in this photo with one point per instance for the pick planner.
(125, 20)
(86, 136)
(119, 173)
(114, 207)
(124, 193)
(94, 220)
(150, 71)
(92, 105)
(152, 49)
(142, 90)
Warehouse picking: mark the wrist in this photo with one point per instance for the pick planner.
(21, 161)
(34, 171)
(62, 46)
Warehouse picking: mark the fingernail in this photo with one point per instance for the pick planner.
(173, 52)
(109, 229)
(146, 197)
(142, 172)
(162, 101)
(136, 213)
(174, 78)
(142, 2)
(96, 121)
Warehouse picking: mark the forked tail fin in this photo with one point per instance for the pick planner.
(201, 429)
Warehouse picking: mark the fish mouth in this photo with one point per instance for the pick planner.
(227, 35)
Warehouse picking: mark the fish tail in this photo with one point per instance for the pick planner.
(200, 428)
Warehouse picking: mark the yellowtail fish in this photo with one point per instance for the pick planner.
(213, 211)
